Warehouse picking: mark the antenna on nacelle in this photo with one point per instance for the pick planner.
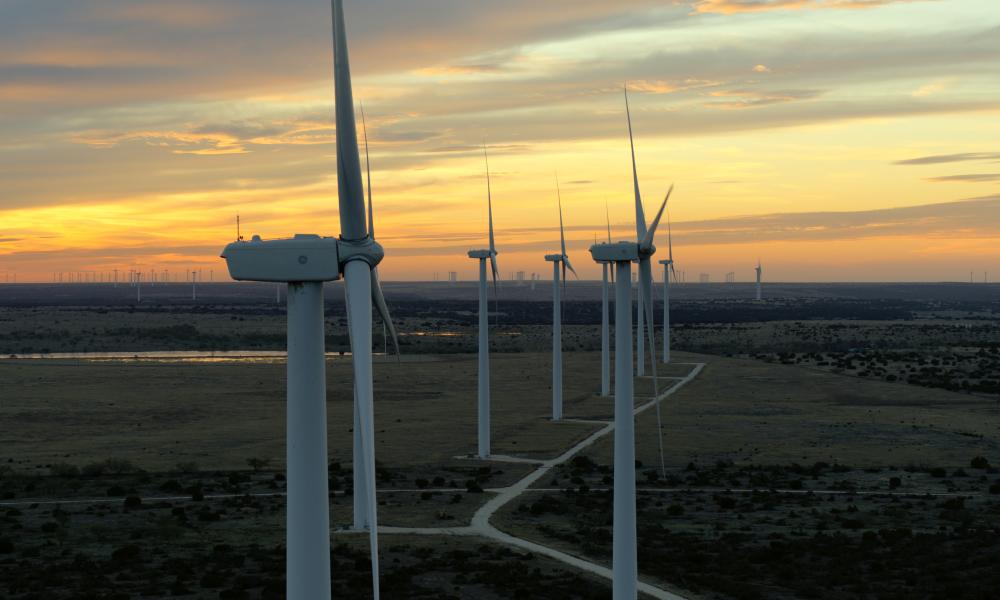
(239, 238)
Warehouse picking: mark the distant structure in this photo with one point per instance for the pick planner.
(558, 260)
(703, 278)
(519, 277)
(759, 272)
(731, 277)
(483, 386)
(452, 276)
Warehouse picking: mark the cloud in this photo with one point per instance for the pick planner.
(929, 89)
(761, 69)
(949, 158)
(972, 217)
(729, 7)
(747, 98)
(971, 178)
(965, 218)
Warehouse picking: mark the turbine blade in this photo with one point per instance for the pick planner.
(646, 289)
(640, 217)
(378, 298)
(607, 217)
(562, 235)
(670, 242)
(647, 240)
(349, 188)
(568, 265)
(489, 204)
(358, 293)
(368, 171)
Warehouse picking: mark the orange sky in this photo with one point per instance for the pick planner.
(836, 140)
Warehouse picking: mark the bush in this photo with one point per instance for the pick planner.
(995, 487)
(6, 546)
(64, 470)
(979, 462)
(186, 467)
(133, 502)
(473, 487)
(258, 463)
(895, 482)
(127, 554)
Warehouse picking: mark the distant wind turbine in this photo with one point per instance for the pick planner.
(305, 262)
(484, 323)
(558, 260)
(760, 271)
(668, 270)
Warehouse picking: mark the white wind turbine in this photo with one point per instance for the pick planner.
(558, 260)
(305, 262)
(484, 323)
(668, 270)
(623, 254)
(759, 272)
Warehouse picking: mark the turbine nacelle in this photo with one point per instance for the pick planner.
(304, 257)
(481, 254)
(555, 257)
(616, 252)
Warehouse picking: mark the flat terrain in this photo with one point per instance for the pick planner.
(178, 436)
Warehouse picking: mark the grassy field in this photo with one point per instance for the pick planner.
(186, 430)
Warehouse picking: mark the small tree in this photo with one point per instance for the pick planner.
(258, 463)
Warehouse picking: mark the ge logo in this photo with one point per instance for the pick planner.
(303, 260)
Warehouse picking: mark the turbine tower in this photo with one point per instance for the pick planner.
(605, 317)
(484, 323)
(558, 260)
(759, 271)
(305, 262)
(623, 254)
(668, 269)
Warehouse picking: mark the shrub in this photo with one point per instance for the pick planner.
(6, 546)
(133, 502)
(979, 462)
(894, 482)
(186, 467)
(126, 554)
(64, 470)
(473, 487)
(258, 463)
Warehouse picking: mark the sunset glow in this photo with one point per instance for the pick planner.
(802, 132)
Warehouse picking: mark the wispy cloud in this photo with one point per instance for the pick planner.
(950, 158)
(742, 6)
(970, 178)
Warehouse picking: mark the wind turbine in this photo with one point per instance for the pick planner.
(484, 344)
(305, 262)
(623, 254)
(668, 269)
(759, 271)
(558, 260)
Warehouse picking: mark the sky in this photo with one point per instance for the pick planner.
(835, 140)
